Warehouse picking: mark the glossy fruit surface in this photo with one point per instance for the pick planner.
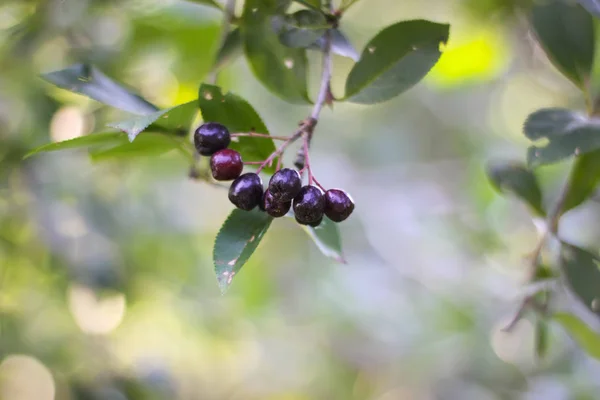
(226, 165)
(309, 205)
(246, 191)
(338, 205)
(285, 184)
(211, 137)
(273, 207)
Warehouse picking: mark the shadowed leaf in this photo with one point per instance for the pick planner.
(236, 242)
(91, 82)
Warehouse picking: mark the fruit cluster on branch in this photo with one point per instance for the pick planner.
(285, 191)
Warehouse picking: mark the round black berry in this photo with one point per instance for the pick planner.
(285, 184)
(309, 205)
(226, 165)
(274, 207)
(210, 138)
(246, 191)
(338, 205)
(316, 223)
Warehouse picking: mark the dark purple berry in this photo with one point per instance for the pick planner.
(274, 207)
(210, 138)
(309, 205)
(246, 191)
(226, 165)
(316, 223)
(338, 205)
(285, 184)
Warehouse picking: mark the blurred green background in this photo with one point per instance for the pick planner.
(107, 288)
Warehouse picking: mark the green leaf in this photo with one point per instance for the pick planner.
(281, 69)
(211, 3)
(327, 238)
(593, 6)
(236, 242)
(91, 140)
(230, 49)
(396, 59)
(582, 274)
(91, 82)
(517, 179)
(584, 179)
(313, 4)
(238, 116)
(580, 141)
(553, 122)
(175, 119)
(147, 145)
(300, 29)
(585, 337)
(541, 339)
(340, 45)
(566, 32)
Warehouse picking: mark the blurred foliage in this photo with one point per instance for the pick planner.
(107, 289)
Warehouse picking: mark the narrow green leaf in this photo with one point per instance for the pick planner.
(396, 59)
(585, 337)
(340, 45)
(147, 145)
(517, 179)
(238, 116)
(593, 6)
(584, 179)
(553, 122)
(230, 50)
(91, 140)
(281, 69)
(582, 274)
(541, 339)
(236, 242)
(300, 29)
(91, 82)
(175, 119)
(566, 32)
(327, 238)
(211, 3)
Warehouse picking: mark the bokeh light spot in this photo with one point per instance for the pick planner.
(25, 378)
(93, 314)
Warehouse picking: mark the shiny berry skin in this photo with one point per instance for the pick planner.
(316, 223)
(309, 205)
(274, 207)
(210, 138)
(285, 184)
(338, 205)
(246, 191)
(226, 165)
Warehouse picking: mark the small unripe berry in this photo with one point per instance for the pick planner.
(338, 205)
(226, 165)
(309, 205)
(210, 138)
(273, 207)
(246, 191)
(285, 184)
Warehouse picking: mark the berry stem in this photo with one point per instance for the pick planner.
(308, 124)
(259, 135)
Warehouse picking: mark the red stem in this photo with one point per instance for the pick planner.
(258, 135)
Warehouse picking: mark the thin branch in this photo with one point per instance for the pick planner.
(259, 135)
(324, 95)
(534, 266)
(228, 15)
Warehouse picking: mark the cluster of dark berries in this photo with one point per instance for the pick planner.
(285, 186)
